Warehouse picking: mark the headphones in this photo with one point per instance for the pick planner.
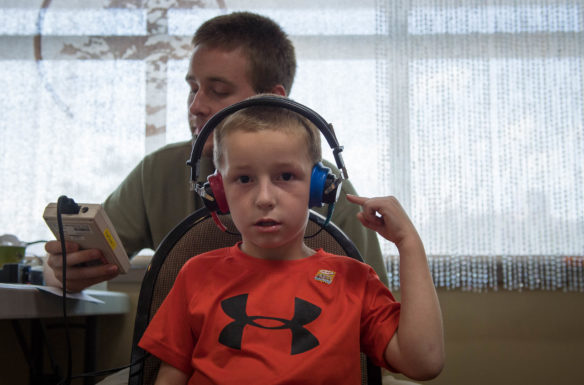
(324, 185)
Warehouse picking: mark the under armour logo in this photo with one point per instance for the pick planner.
(304, 313)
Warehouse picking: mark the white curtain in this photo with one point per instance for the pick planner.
(488, 145)
(470, 112)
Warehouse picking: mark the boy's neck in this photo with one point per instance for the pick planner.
(282, 253)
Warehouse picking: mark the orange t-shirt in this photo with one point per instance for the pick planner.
(231, 318)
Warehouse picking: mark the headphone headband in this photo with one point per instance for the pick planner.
(265, 100)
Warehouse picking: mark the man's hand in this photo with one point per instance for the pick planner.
(79, 276)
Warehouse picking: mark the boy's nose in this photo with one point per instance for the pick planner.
(266, 198)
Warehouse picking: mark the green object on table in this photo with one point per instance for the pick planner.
(11, 254)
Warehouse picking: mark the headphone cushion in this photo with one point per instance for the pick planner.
(318, 180)
(216, 183)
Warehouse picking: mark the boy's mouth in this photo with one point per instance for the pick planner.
(266, 223)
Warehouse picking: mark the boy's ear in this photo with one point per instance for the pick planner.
(278, 89)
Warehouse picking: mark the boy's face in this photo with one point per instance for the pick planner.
(266, 177)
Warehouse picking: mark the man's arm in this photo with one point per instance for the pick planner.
(150, 201)
(79, 277)
(417, 347)
(126, 209)
(153, 198)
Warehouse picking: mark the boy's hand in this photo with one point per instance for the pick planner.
(386, 216)
(417, 348)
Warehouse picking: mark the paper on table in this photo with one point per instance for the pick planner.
(53, 290)
(80, 296)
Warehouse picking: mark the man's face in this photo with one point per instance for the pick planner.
(217, 79)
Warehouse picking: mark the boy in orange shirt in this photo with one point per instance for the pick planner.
(271, 310)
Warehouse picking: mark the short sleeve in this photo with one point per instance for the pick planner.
(379, 319)
(169, 335)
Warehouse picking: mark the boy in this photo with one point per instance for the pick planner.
(270, 309)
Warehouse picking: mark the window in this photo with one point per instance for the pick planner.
(472, 115)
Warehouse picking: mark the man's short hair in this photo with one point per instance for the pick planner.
(267, 47)
(259, 118)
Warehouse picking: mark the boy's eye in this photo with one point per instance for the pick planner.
(243, 179)
(286, 176)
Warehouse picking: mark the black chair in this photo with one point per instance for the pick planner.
(197, 234)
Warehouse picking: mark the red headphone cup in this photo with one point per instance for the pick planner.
(216, 183)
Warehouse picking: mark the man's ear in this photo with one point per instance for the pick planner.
(278, 89)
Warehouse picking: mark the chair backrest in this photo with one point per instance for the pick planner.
(197, 234)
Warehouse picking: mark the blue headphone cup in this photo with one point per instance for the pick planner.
(317, 182)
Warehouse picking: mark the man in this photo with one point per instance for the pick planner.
(235, 56)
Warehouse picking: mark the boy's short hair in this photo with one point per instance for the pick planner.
(260, 118)
(267, 47)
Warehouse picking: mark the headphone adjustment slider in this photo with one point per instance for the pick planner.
(339, 161)
(202, 192)
(332, 129)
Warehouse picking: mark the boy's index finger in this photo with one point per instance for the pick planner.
(356, 199)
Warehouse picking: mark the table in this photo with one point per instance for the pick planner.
(28, 302)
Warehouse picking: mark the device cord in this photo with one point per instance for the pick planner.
(63, 200)
(110, 371)
(67, 205)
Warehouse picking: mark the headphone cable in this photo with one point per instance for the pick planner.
(329, 215)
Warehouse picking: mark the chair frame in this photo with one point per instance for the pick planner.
(143, 316)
